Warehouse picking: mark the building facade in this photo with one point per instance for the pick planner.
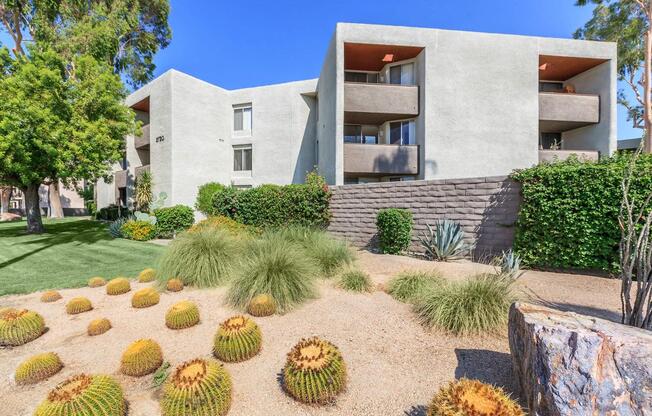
(390, 104)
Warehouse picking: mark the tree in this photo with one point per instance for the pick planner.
(628, 23)
(58, 119)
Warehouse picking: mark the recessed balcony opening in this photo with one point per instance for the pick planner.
(141, 141)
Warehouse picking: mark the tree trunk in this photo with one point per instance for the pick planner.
(33, 209)
(56, 211)
(647, 85)
(5, 197)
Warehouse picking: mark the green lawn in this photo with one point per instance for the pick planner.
(67, 255)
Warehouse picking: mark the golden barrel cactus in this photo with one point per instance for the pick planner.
(118, 286)
(144, 298)
(182, 315)
(50, 296)
(78, 305)
(146, 276)
(197, 387)
(18, 327)
(38, 368)
(237, 339)
(314, 372)
(262, 305)
(472, 397)
(175, 285)
(96, 281)
(98, 326)
(84, 395)
(141, 358)
(5, 310)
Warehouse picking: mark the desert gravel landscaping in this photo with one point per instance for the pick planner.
(394, 364)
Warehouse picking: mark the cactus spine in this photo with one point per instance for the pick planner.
(50, 296)
(146, 276)
(262, 305)
(182, 315)
(175, 285)
(18, 327)
(472, 397)
(78, 305)
(118, 286)
(145, 298)
(96, 282)
(38, 368)
(197, 387)
(315, 372)
(141, 358)
(98, 326)
(237, 339)
(84, 395)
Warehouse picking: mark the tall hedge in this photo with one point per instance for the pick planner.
(569, 214)
(204, 203)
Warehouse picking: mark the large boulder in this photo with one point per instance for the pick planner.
(570, 364)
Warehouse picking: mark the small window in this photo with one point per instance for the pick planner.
(242, 158)
(549, 86)
(365, 77)
(402, 132)
(242, 118)
(352, 133)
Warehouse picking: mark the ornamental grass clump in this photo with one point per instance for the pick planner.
(38, 368)
(355, 280)
(204, 258)
(20, 326)
(142, 357)
(408, 286)
(478, 304)
(472, 397)
(91, 395)
(277, 267)
(237, 339)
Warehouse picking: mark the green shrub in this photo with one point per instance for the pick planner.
(204, 203)
(394, 229)
(478, 304)
(112, 213)
(355, 280)
(172, 220)
(409, 286)
(569, 212)
(233, 227)
(225, 201)
(138, 230)
(204, 257)
(277, 267)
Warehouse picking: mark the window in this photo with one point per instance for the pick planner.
(402, 132)
(366, 77)
(242, 158)
(550, 141)
(355, 133)
(242, 118)
(122, 197)
(551, 86)
(402, 74)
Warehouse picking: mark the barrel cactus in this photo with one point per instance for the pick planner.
(315, 372)
(145, 298)
(78, 305)
(5, 310)
(18, 327)
(98, 326)
(141, 358)
(197, 387)
(84, 395)
(262, 305)
(175, 285)
(182, 315)
(146, 276)
(118, 286)
(237, 339)
(50, 296)
(96, 282)
(38, 368)
(472, 397)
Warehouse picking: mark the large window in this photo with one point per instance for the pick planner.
(356, 133)
(242, 158)
(402, 74)
(402, 132)
(242, 118)
(366, 77)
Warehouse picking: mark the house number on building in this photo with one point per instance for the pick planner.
(160, 139)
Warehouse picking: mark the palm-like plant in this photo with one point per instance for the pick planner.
(143, 191)
(445, 241)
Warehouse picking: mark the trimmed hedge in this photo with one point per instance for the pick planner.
(569, 214)
(112, 213)
(394, 230)
(171, 220)
(204, 203)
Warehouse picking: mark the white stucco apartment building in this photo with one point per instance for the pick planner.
(391, 103)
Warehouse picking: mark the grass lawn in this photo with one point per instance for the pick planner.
(70, 252)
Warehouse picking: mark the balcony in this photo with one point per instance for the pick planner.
(140, 170)
(142, 142)
(381, 159)
(378, 103)
(559, 155)
(120, 178)
(559, 112)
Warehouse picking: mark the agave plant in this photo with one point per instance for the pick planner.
(445, 241)
(509, 264)
(115, 228)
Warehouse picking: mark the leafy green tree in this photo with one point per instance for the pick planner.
(628, 23)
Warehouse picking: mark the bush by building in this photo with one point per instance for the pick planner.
(394, 230)
(171, 220)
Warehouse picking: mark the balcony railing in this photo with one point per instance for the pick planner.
(142, 141)
(120, 178)
(377, 103)
(140, 170)
(559, 155)
(381, 159)
(559, 112)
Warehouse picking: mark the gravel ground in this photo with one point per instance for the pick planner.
(394, 364)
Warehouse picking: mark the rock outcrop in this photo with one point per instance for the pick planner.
(570, 364)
